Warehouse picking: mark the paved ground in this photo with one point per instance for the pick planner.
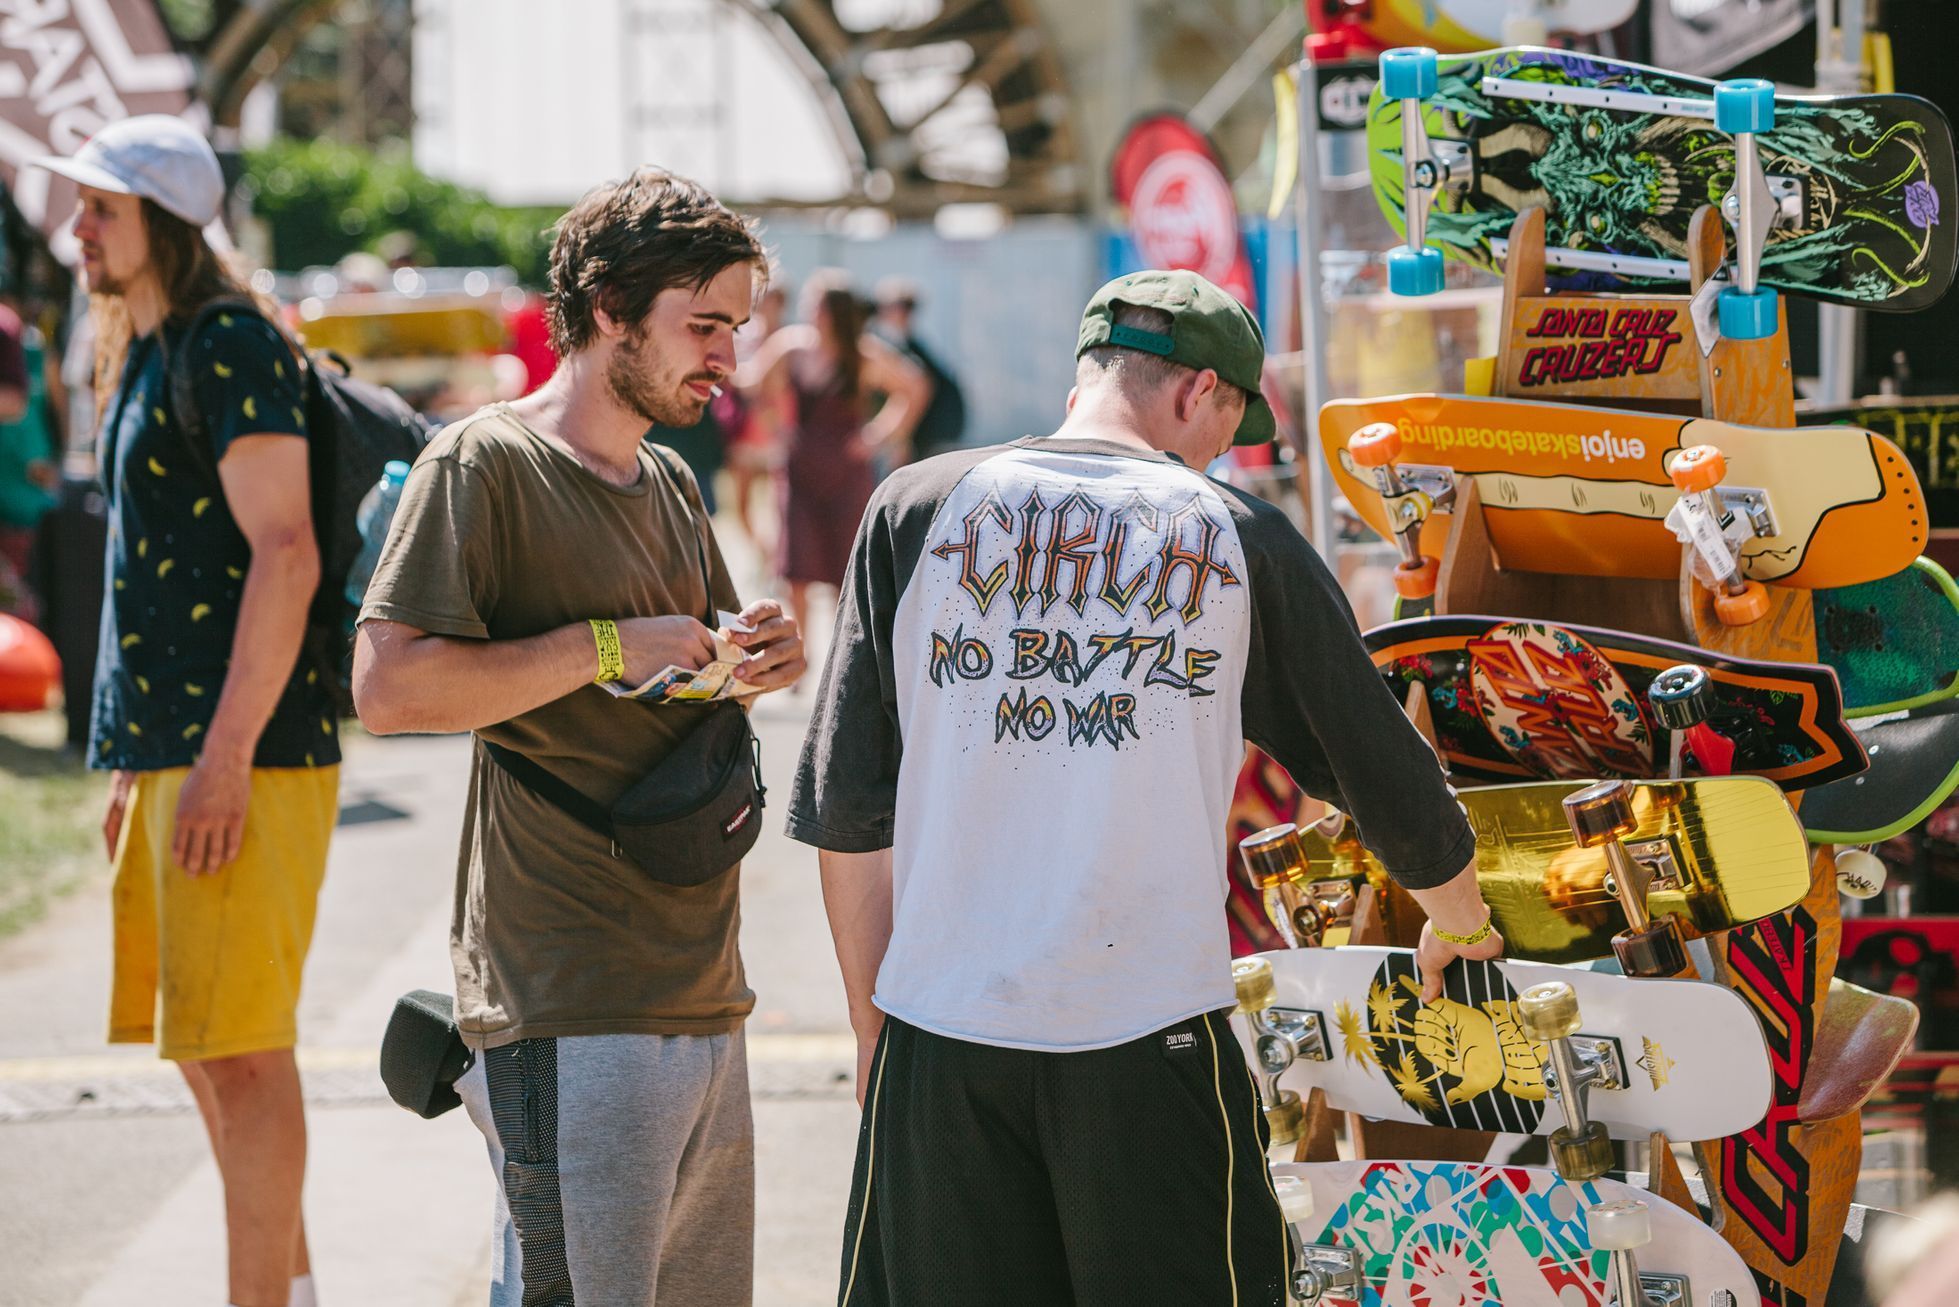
(107, 1194)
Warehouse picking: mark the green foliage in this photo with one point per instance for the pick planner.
(324, 200)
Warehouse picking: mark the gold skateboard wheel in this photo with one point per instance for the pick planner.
(1699, 467)
(1750, 606)
(1375, 445)
(1286, 1118)
(1620, 1225)
(1601, 813)
(1253, 979)
(1548, 1011)
(1274, 856)
(1659, 950)
(1582, 1157)
(1417, 581)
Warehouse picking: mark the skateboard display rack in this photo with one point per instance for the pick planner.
(1697, 335)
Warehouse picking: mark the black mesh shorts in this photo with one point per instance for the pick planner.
(1132, 1176)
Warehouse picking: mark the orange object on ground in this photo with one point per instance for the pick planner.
(29, 668)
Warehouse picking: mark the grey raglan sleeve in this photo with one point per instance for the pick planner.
(1314, 701)
(846, 790)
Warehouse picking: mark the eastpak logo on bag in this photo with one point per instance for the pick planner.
(732, 827)
(1179, 1042)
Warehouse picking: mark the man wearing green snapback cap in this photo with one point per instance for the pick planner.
(1048, 658)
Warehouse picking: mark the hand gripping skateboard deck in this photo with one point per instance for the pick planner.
(1460, 1234)
(1514, 700)
(1689, 1056)
(1586, 491)
(1865, 184)
(1914, 768)
(1731, 849)
(1893, 642)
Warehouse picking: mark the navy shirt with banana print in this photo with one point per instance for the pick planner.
(177, 559)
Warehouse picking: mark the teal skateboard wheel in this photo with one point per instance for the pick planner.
(1745, 104)
(1414, 272)
(1746, 316)
(1409, 73)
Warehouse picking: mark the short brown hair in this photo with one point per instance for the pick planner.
(627, 241)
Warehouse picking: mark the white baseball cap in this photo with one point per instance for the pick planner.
(153, 155)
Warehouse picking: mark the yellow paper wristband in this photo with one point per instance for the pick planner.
(1470, 940)
(612, 659)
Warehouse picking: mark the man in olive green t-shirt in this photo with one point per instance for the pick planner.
(606, 1006)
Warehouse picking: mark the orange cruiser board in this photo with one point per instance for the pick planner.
(1575, 489)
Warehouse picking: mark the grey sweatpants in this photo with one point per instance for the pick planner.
(625, 1170)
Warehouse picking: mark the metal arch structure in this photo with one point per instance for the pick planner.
(1004, 75)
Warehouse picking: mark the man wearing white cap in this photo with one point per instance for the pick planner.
(221, 736)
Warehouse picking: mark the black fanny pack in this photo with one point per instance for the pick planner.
(423, 1055)
(695, 815)
(690, 819)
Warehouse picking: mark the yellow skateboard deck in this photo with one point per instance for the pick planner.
(1584, 490)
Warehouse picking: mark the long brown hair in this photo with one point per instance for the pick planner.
(191, 275)
(844, 312)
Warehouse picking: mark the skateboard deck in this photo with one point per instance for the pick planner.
(1860, 1035)
(1738, 849)
(1581, 490)
(1460, 1234)
(1914, 768)
(1927, 429)
(1691, 1053)
(1894, 642)
(1515, 700)
(1870, 178)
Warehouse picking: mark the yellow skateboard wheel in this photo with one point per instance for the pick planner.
(1699, 467)
(1750, 606)
(1417, 582)
(1253, 979)
(1620, 1225)
(1548, 1011)
(1375, 445)
(1582, 1157)
(1286, 1119)
(1601, 813)
(1274, 856)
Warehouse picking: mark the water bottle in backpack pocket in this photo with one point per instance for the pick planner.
(372, 519)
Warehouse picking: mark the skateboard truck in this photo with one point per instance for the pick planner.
(1682, 699)
(1713, 519)
(1621, 1227)
(1580, 1148)
(1320, 1272)
(1409, 495)
(1282, 1036)
(1601, 816)
(1411, 75)
(1743, 108)
(1277, 862)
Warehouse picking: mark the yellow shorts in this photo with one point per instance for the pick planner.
(215, 960)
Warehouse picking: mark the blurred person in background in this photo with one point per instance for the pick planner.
(28, 474)
(943, 423)
(753, 445)
(221, 737)
(819, 376)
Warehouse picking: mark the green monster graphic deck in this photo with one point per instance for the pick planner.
(1864, 186)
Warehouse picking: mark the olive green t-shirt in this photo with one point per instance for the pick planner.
(501, 535)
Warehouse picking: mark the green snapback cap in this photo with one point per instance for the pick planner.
(1209, 329)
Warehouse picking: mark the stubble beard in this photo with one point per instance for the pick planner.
(633, 385)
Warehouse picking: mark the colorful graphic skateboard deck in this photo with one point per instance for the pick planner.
(1458, 1234)
(1914, 768)
(1690, 1054)
(1737, 854)
(1515, 700)
(1586, 491)
(1894, 643)
(1866, 181)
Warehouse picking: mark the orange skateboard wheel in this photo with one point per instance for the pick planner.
(1417, 581)
(1751, 605)
(1700, 467)
(1375, 445)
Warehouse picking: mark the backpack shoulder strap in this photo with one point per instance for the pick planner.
(183, 382)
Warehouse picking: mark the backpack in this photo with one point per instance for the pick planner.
(944, 419)
(353, 429)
